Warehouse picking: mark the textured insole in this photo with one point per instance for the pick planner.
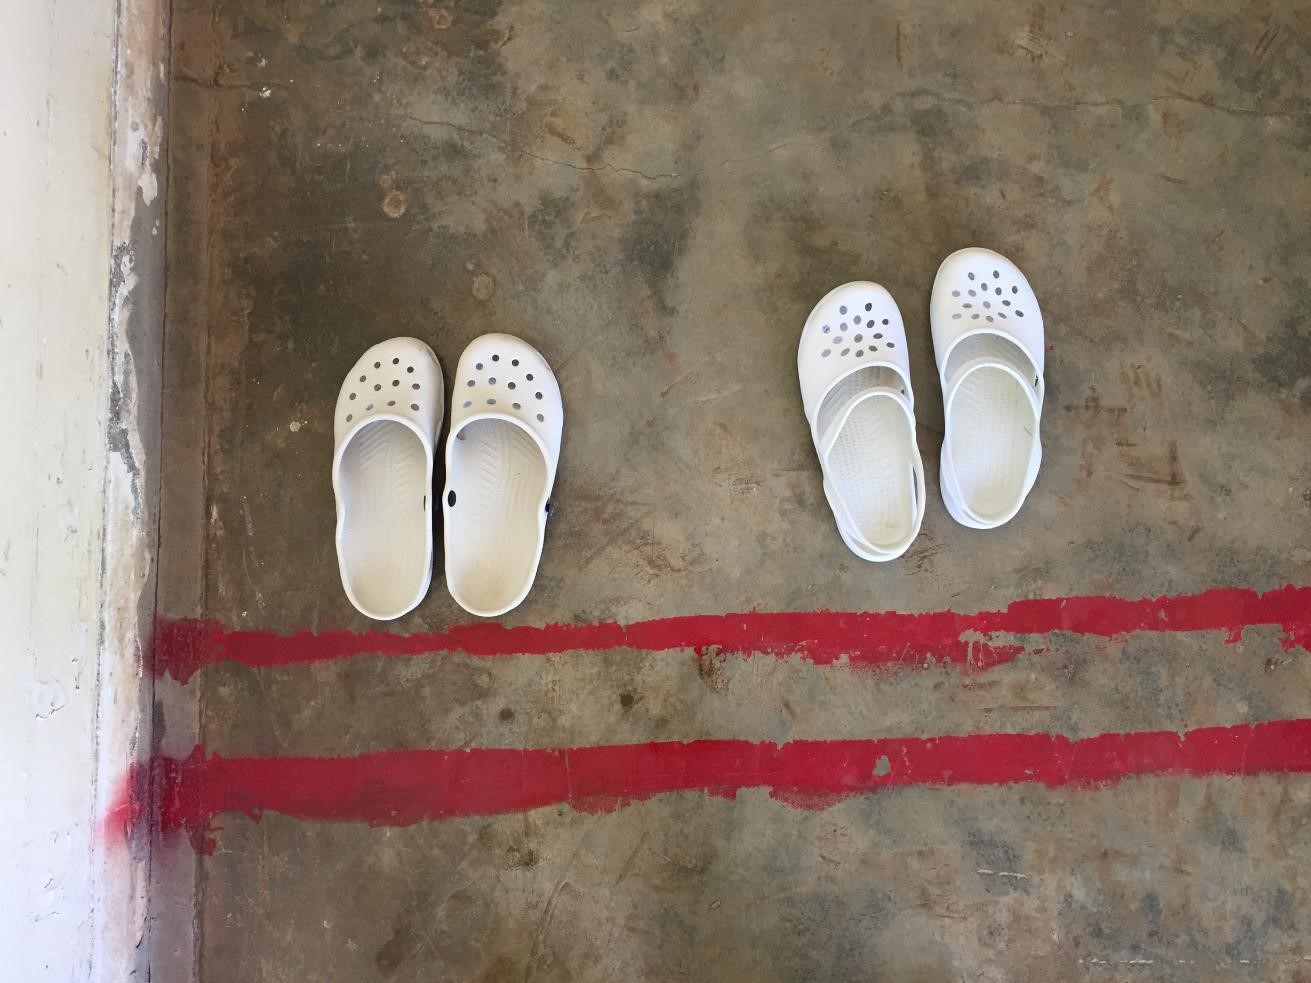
(384, 540)
(990, 440)
(498, 475)
(869, 465)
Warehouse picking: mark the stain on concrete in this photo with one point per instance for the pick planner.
(658, 236)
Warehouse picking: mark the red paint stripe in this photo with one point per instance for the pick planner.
(397, 788)
(865, 639)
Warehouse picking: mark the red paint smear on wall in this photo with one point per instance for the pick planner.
(396, 788)
(977, 640)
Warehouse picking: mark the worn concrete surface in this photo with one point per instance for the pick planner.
(654, 194)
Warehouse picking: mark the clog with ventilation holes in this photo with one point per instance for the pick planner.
(855, 387)
(989, 342)
(388, 413)
(501, 456)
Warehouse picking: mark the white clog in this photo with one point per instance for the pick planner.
(388, 413)
(989, 343)
(855, 387)
(501, 457)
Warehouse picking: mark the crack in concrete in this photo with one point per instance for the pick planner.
(1113, 104)
(237, 86)
(517, 149)
(1030, 103)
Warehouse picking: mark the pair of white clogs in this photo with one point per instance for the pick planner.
(855, 384)
(501, 456)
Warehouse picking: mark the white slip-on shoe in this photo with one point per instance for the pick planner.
(388, 413)
(855, 387)
(501, 456)
(989, 343)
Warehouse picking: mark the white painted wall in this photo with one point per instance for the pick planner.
(67, 663)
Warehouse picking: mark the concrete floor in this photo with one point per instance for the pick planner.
(655, 194)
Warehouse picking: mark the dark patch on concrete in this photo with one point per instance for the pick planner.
(552, 222)
(1282, 911)
(710, 669)
(1150, 906)
(522, 857)
(403, 944)
(1285, 361)
(658, 236)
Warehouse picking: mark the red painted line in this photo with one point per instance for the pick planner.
(396, 788)
(979, 640)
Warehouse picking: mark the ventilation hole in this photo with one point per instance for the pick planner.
(469, 383)
(856, 319)
(396, 382)
(496, 358)
(825, 353)
(349, 417)
(845, 352)
(391, 402)
(516, 406)
(540, 418)
(510, 384)
(955, 317)
(973, 293)
(478, 366)
(538, 395)
(396, 361)
(450, 498)
(827, 329)
(1007, 303)
(859, 337)
(878, 334)
(415, 407)
(974, 317)
(967, 305)
(363, 378)
(987, 305)
(377, 386)
(998, 291)
(409, 368)
(843, 325)
(352, 395)
(1019, 313)
(891, 345)
(860, 353)
(885, 320)
(369, 408)
(988, 318)
(955, 293)
(970, 275)
(468, 403)
(1035, 380)
(1002, 315)
(1015, 290)
(514, 361)
(842, 310)
(492, 380)
(529, 377)
(377, 365)
(995, 274)
(491, 402)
